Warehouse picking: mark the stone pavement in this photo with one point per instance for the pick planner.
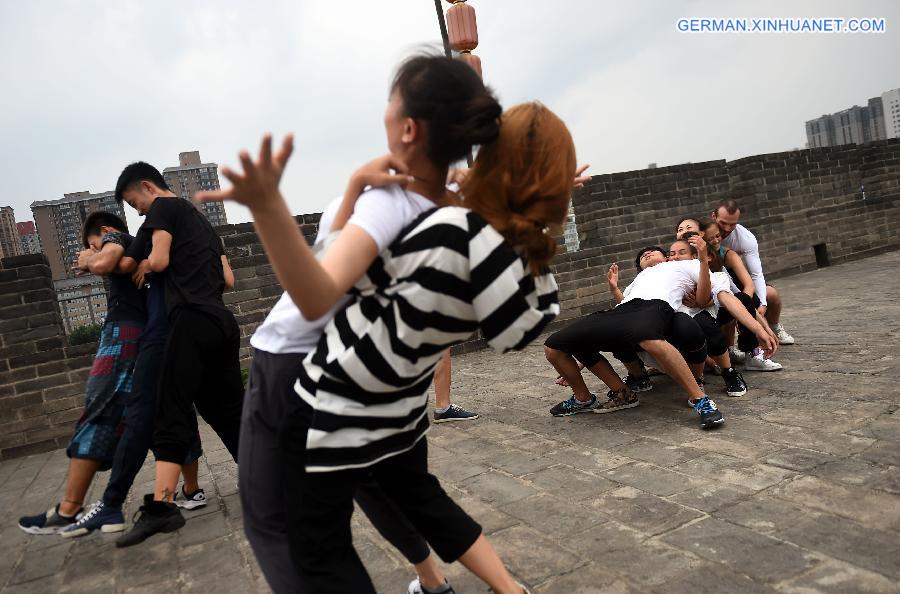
(797, 493)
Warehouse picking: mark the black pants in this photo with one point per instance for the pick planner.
(137, 437)
(269, 400)
(201, 368)
(747, 340)
(321, 503)
(683, 333)
(618, 330)
(715, 340)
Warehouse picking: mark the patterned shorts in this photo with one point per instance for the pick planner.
(98, 430)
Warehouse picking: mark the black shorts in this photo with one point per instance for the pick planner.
(622, 328)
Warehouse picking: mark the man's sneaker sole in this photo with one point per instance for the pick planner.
(712, 424)
(762, 369)
(174, 525)
(600, 410)
(34, 530)
(456, 419)
(191, 504)
(736, 393)
(107, 528)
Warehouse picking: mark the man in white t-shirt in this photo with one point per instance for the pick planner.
(738, 238)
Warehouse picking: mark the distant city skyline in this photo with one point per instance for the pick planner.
(879, 119)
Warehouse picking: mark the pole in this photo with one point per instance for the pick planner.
(443, 25)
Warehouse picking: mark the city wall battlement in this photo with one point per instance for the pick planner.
(808, 208)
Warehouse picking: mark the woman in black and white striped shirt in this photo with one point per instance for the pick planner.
(453, 271)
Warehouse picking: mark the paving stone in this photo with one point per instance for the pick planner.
(714, 579)
(882, 452)
(608, 536)
(570, 483)
(553, 515)
(734, 471)
(498, 488)
(653, 564)
(860, 473)
(590, 579)
(642, 511)
(44, 564)
(742, 550)
(710, 496)
(652, 479)
(659, 453)
(836, 577)
(872, 508)
(203, 529)
(798, 459)
(844, 539)
(531, 555)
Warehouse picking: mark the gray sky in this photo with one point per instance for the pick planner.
(90, 86)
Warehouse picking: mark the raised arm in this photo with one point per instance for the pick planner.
(612, 279)
(704, 285)
(314, 287)
(101, 262)
(734, 262)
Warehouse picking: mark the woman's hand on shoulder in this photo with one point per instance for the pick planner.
(257, 187)
(386, 170)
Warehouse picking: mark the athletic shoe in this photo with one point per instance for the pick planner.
(192, 501)
(736, 355)
(709, 414)
(713, 370)
(781, 333)
(49, 522)
(620, 400)
(571, 407)
(734, 382)
(416, 588)
(155, 517)
(639, 383)
(700, 382)
(454, 413)
(758, 362)
(100, 517)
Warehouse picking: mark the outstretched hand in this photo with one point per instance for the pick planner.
(257, 187)
(580, 178)
(612, 276)
(699, 244)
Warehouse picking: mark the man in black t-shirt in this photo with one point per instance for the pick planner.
(201, 365)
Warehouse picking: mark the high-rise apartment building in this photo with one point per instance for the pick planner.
(891, 102)
(82, 301)
(857, 125)
(9, 237)
(59, 224)
(192, 176)
(28, 238)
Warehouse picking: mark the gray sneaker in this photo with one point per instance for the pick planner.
(572, 406)
(49, 522)
(624, 398)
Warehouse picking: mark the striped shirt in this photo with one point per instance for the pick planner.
(446, 276)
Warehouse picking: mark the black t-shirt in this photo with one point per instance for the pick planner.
(125, 303)
(194, 278)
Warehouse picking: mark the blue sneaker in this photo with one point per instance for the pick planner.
(709, 414)
(49, 522)
(572, 407)
(100, 517)
(454, 413)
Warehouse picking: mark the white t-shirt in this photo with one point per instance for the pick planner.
(380, 212)
(719, 281)
(743, 242)
(668, 281)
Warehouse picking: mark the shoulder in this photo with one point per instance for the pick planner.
(117, 238)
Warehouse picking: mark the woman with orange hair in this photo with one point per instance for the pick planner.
(452, 271)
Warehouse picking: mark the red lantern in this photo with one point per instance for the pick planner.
(473, 61)
(461, 27)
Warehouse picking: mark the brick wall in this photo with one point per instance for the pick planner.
(791, 201)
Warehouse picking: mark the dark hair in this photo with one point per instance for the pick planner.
(729, 204)
(138, 172)
(695, 219)
(450, 98)
(715, 260)
(98, 219)
(649, 248)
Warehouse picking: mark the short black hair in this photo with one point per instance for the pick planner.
(649, 248)
(99, 219)
(138, 172)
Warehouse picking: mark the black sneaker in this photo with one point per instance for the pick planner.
(709, 415)
(155, 517)
(572, 406)
(49, 522)
(454, 413)
(640, 383)
(734, 382)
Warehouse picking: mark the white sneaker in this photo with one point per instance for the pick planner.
(415, 587)
(192, 501)
(736, 355)
(759, 363)
(781, 333)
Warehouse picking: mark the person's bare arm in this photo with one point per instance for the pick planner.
(736, 264)
(158, 260)
(612, 279)
(704, 285)
(101, 262)
(767, 340)
(228, 273)
(313, 286)
(376, 173)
